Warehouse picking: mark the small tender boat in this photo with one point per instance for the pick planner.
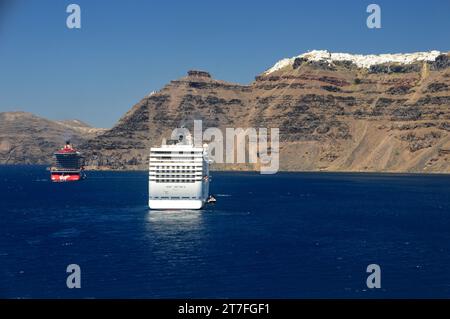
(211, 199)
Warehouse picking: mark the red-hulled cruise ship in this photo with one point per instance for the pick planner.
(68, 165)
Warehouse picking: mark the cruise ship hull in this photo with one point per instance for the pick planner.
(68, 177)
(159, 204)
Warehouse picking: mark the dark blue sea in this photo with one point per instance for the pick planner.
(289, 235)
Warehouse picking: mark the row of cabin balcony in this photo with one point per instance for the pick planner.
(176, 165)
(174, 181)
(175, 176)
(197, 177)
(176, 170)
(175, 149)
(179, 162)
(176, 155)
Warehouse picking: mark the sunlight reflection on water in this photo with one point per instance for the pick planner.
(170, 222)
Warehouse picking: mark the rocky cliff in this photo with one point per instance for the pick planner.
(28, 139)
(336, 112)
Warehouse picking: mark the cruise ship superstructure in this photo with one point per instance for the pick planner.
(178, 175)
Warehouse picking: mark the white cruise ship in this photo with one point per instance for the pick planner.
(178, 175)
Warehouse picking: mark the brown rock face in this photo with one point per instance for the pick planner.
(197, 73)
(125, 146)
(29, 139)
(331, 116)
(334, 117)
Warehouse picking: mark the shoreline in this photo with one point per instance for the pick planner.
(45, 166)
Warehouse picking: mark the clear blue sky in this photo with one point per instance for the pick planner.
(126, 49)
